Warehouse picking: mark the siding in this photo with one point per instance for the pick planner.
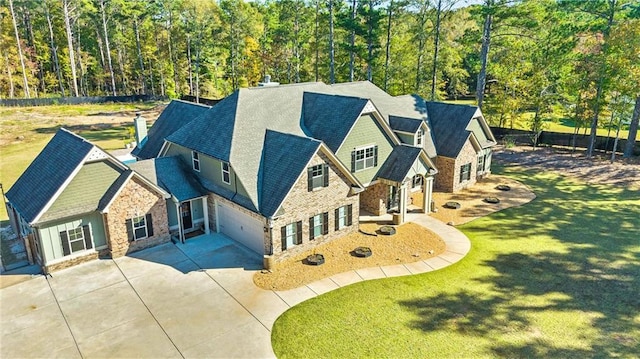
(50, 234)
(85, 189)
(476, 128)
(405, 138)
(210, 168)
(366, 131)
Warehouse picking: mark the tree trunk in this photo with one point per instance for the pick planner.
(370, 43)
(103, 61)
(106, 44)
(332, 75)
(633, 130)
(32, 44)
(161, 67)
(121, 61)
(54, 50)
(84, 87)
(140, 59)
(189, 65)
(317, 38)
(296, 41)
(12, 92)
(352, 40)
(388, 47)
(421, 42)
(436, 48)
(24, 70)
(174, 63)
(72, 57)
(484, 59)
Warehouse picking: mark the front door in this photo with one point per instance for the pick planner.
(187, 221)
(393, 198)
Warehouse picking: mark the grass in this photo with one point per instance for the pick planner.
(559, 277)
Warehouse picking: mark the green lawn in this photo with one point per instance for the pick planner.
(558, 277)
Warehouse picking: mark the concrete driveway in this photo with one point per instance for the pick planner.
(192, 300)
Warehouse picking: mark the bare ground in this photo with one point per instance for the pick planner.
(411, 243)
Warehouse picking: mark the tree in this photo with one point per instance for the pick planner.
(20, 54)
(68, 9)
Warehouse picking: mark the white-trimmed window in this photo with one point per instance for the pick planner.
(139, 227)
(226, 172)
(480, 167)
(318, 225)
(465, 172)
(291, 235)
(419, 137)
(318, 176)
(363, 158)
(76, 240)
(417, 181)
(343, 216)
(195, 160)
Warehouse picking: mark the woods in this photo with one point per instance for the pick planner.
(526, 61)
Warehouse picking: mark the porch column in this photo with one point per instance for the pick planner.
(427, 192)
(403, 202)
(205, 213)
(179, 216)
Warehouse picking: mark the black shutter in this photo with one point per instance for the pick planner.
(64, 238)
(149, 225)
(88, 243)
(353, 161)
(311, 225)
(283, 234)
(299, 232)
(325, 223)
(349, 217)
(310, 178)
(337, 213)
(375, 156)
(325, 174)
(129, 225)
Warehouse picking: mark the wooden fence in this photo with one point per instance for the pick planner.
(522, 137)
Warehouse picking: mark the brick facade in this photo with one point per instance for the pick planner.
(374, 199)
(448, 177)
(301, 204)
(135, 199)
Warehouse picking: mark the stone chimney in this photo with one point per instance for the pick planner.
(140, 126)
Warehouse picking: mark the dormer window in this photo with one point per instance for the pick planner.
(195, 160)
(419, 137)
(226, 173)
(318, 176)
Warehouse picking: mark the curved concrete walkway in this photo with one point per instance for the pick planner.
(457, 246)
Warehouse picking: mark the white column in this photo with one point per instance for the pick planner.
(179, 222)
(428, 194)
(205, 213)
(403, 202)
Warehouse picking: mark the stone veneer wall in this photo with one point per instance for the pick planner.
(374, 199)
(301, 204)
(70, 262)
(448, 177)
(136, 199)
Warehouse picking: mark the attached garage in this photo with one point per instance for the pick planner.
(240, 227)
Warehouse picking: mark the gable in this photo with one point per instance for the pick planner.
(85, 190)
(48, 172)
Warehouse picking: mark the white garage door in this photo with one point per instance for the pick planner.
(241, 227)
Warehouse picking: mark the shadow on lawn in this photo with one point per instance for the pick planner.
(594, 270)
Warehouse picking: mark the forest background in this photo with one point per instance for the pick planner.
(525, 62)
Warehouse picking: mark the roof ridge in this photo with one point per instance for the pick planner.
(190, 103)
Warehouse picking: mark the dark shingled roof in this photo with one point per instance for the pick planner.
(404, 124)
(175, 116)
(46, 174)
(113, 189)
(449, 124)
(212, 132)
(284, 157)
(172, 175)
(399, 162)
(330, 117)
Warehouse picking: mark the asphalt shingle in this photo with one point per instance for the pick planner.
(172, 175)
(399, 162)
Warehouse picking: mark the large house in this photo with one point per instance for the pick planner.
(279, 169)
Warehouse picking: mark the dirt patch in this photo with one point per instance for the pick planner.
(473, 201)
(598, 169)
(411, 243)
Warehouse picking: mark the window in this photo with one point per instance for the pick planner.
(195, 160)
(318, 225)
(343, 216)
(364, 158)
(291, 235)
(417, 181)
(139, 227)
(226, 174)
(480, 164)
(318, 176)
(465, 172)
(76, 240)
(419, 137)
